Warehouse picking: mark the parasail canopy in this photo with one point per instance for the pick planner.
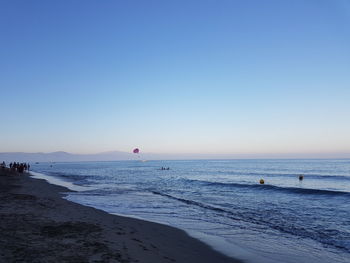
(136, 150)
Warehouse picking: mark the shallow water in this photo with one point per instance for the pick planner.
(222, 203)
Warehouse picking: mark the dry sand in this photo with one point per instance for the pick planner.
(37, 225)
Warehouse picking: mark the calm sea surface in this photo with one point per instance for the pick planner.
(222, 203)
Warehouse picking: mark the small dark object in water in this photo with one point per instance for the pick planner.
(262, 181)
(301, 177)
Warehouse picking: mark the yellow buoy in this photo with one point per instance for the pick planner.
(262, 181)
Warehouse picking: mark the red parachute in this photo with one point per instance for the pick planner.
(136, 150)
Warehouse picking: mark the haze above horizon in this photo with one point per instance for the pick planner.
(211, 77)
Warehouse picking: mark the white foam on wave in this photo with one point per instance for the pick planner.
(60, 182)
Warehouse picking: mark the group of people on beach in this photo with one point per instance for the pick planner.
(16, 166)
(165, 168)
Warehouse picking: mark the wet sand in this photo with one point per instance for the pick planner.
(37, 225)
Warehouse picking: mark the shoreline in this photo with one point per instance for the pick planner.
(38, 225)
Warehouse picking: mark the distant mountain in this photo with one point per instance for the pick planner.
(117, 155)
(64, 157)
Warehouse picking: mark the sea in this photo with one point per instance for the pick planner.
(222, 203)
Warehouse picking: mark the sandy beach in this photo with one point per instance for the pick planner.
(38, 225)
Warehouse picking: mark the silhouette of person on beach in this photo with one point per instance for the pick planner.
(16, 166)
(20, 168)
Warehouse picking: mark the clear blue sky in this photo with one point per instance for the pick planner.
(175, 76)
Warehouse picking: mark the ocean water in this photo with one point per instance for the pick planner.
(222, 203)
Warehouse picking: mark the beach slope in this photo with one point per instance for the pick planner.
(37, 225)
